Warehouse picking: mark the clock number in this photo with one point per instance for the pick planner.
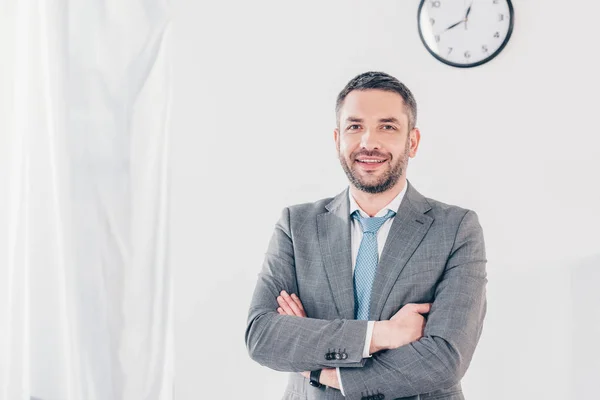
(449, 50)
(436, 4)
(467, 54)
(484, 48)
(437, 38)
(501, 17)
(432, 21)
(497, 34)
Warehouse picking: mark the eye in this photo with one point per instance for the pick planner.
(389, 128)
(353, 127)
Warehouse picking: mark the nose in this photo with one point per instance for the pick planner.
(368, 140)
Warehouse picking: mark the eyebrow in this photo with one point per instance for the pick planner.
(354, 119)
(381, 120)
(390, 120)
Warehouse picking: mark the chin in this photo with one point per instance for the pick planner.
(371, 183)
(371, 177)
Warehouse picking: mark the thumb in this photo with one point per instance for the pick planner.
(422, 308)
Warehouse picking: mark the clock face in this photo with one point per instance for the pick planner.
(465, 33)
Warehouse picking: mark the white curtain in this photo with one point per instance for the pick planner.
(85, 285)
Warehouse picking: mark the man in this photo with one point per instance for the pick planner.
(379, 292)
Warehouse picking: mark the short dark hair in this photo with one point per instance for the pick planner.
(381, 81)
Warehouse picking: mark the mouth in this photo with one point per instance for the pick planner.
(370, 163)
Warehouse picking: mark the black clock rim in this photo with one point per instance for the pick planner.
(478, 63)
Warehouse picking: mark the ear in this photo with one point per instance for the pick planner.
(415, 139)
(336, 137)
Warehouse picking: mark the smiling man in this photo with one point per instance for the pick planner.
(379, 292)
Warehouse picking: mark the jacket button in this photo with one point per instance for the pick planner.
(380, 396)
(328, 356)
(344, 355)
(338, 356)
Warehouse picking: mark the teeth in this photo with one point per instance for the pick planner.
(371, 161)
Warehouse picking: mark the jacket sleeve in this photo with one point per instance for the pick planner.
(440, 358)
(289, 343)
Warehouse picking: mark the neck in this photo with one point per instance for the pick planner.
(371, 203)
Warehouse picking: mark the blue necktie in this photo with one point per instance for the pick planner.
(366, 262)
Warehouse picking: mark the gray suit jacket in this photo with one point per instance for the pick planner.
(434, 253)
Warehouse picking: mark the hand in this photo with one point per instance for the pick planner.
(452, 26)
(406, 326)
(409, 320)
(328, 377)
(467, 15)
(465, 20)
(290, 305)
(468, 11)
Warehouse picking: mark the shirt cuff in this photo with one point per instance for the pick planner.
(337, 370)
(366, 353)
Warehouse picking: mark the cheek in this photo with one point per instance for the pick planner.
(397, 148)
(346, 146)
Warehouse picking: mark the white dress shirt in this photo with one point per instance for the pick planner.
(356, 234)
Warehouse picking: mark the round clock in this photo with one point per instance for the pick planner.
(465, 33)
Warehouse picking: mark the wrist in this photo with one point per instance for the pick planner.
(315, 378)
(329, 378)
(379, 340)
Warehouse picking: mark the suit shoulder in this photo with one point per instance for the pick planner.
(304, 210)
(448, 212)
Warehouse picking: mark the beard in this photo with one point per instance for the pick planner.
(388, 178)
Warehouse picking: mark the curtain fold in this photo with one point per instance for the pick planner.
(86, 300)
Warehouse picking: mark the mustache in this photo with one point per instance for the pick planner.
(371, 153)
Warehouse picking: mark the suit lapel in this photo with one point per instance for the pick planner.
(333, 230)
(406, 233)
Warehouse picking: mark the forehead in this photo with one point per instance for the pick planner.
(373, 103)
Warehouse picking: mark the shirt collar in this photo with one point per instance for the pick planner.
(392, 205)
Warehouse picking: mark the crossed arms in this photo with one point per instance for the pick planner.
(437, 360)
(404, 327)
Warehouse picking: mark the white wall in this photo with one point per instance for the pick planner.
(517, 140)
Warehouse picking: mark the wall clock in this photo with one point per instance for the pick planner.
(465, 33)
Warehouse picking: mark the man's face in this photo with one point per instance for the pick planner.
(373, 139)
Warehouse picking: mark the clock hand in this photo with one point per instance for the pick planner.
(460, 22)
(452, 26)
(468, 11)
(467, 16)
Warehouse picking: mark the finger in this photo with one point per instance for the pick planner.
(291, 303)
(280, 311)
(297, 301)
(299, 304)
(283, 304)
